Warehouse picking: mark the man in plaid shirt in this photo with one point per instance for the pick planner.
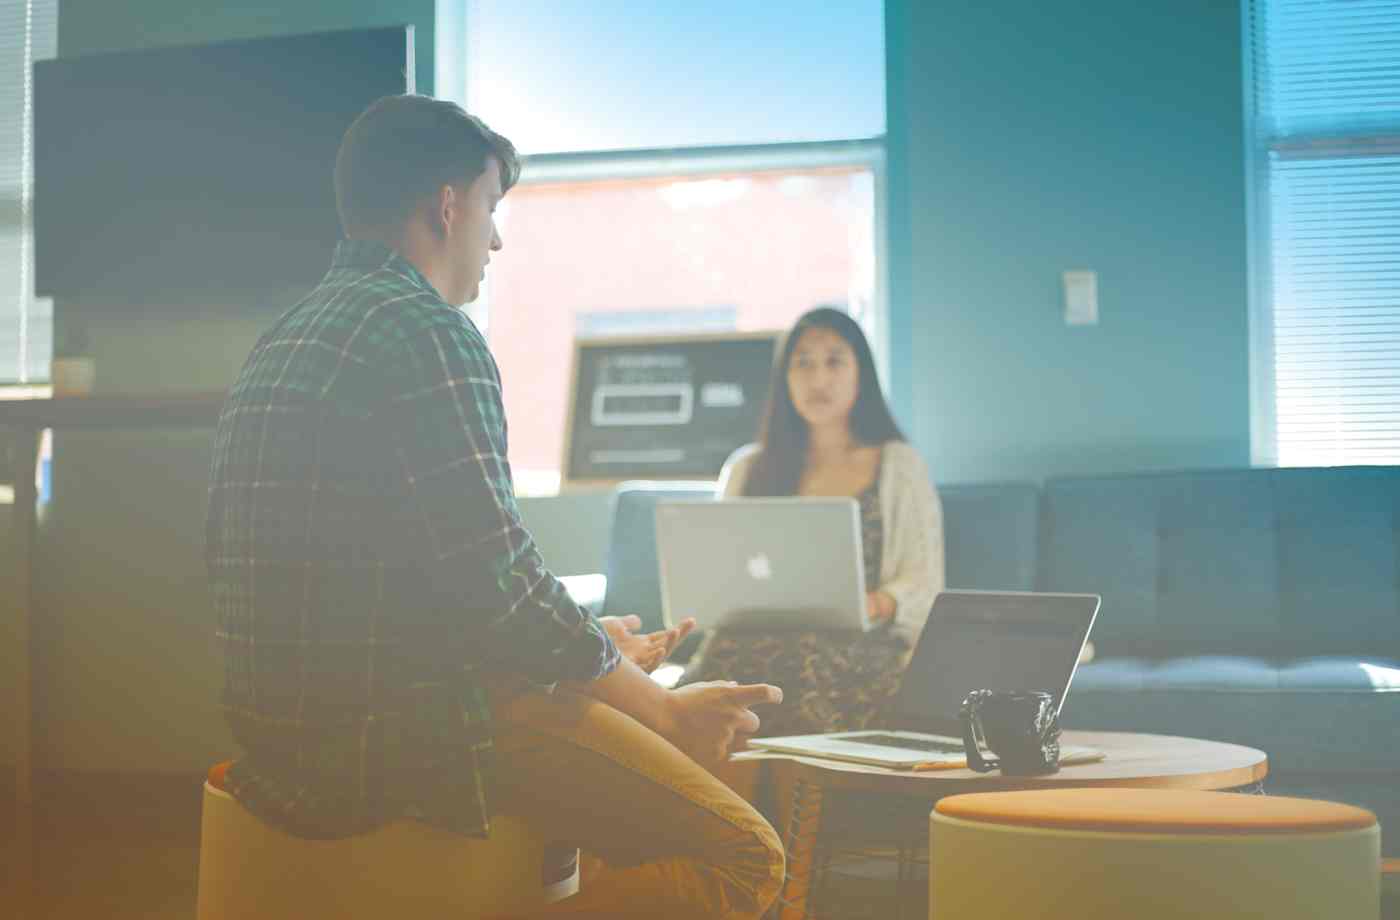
(394, 645)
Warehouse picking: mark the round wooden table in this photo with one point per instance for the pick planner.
(804, 788)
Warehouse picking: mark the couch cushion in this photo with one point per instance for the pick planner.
(1337, 554)
(1255, 562)
(991, 535)
(1311, 714)
(1100, 536)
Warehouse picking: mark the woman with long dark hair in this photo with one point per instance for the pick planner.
(827, 431)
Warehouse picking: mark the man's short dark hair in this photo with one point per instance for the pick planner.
(401, 150)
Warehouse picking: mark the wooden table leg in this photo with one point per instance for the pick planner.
(803, 828)
(22, 879)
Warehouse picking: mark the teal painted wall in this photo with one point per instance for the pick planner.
(1029, 138)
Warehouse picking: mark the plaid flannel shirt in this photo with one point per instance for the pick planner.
(368, 564)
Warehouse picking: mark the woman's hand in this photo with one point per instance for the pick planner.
(646, 650)
(880, 607)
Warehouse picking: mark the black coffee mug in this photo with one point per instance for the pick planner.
(1020, 727)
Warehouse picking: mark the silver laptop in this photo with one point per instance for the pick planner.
(762, 562)
(973, 640)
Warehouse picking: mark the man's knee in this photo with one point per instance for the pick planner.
(758, 863)
(775, 860)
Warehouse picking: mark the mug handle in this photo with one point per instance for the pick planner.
(973, 738)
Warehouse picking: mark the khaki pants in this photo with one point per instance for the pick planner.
(675, 842)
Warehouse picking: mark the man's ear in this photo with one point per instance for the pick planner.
(446, 208)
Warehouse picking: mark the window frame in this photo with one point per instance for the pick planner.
(1263, 427)
(870, 153)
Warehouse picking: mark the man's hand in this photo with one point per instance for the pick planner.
(646, 650)
(707, 720)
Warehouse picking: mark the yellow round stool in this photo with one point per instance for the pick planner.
(405, 869)
(1095, 854)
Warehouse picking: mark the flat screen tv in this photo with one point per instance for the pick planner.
(172, 173)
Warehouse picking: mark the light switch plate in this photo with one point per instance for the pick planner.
(1081, 298)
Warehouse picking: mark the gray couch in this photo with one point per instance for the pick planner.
(1257, 606)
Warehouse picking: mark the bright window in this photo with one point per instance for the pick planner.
(737, 250)
(689, 167)
(563, 76)
(1325, 262)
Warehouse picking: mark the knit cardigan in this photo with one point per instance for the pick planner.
(911, 561)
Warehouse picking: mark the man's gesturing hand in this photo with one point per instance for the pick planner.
(708, 718)
(647, 650)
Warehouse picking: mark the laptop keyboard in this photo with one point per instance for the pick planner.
(909, 744)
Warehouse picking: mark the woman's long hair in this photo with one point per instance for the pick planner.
(778, 469)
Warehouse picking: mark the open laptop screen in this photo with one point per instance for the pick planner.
(980, 640)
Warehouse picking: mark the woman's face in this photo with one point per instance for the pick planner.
(823, 377)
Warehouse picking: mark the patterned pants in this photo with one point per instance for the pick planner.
(831, 680)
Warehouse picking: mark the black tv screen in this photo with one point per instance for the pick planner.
(166, 174)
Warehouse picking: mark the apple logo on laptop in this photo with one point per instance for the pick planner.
(760, 569)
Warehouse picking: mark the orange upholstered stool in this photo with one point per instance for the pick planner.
(1094, 854)
(406, 869)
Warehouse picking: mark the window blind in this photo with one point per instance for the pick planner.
(1326, 106)
(28, 33)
